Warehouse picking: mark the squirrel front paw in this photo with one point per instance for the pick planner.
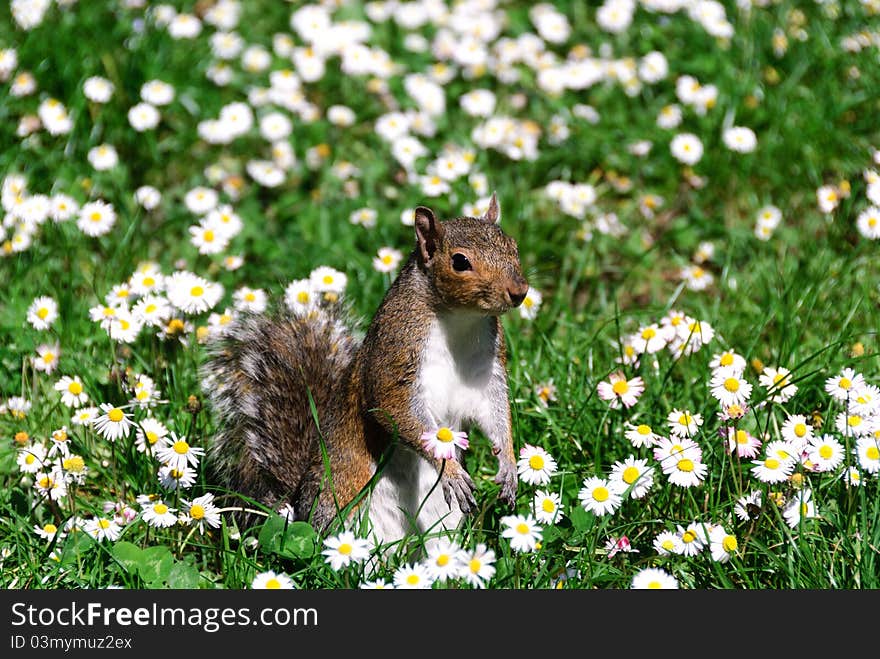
(456, 483)
(507, 478)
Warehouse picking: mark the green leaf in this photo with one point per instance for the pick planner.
(129, 555)
(299, 541)
(581, 519)
(155, 565)
(271, 532)
(291, 540)
(183, 575)
(75, 546)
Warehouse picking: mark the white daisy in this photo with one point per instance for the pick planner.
(113, 424)
(177, 453)
(632, 474)
(547, 507)
(653, 578)
(96, 218)
(535, 465)
(412, 576)
(598, 496)
(344, 549)
(867, 451)
(192, 294)
(772, 469)
(441, 560)
(42, 312)
(270, 580)
(683, 423)
(158, 514)
(523, 531)
(778, 383)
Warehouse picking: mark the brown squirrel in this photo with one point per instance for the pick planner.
(434, 356)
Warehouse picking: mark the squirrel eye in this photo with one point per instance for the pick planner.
(460, 262)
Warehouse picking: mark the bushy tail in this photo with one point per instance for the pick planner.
(258, 377)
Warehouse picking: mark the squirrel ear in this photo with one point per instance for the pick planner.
(428, 233)
(493, 213)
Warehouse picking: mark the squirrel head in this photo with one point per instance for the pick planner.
(470, 262)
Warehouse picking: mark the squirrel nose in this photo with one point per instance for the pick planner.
(517, 293)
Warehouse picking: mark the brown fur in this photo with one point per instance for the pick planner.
(260, 373)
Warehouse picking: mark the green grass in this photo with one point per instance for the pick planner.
(807, 299)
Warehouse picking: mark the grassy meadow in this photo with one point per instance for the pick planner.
(694, 188)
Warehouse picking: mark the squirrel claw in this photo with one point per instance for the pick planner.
(507, 479)
(459, 485)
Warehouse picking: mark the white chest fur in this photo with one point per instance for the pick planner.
(408, 499)
(457, 382)
(456, 371)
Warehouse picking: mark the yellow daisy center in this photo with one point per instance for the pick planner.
(50, 528)
(643, 429)
(328, 279)
(445, 435)
(845, 383)
(208, 236)
(152, 437)
(649, 333)
(779, 378)
(684, 419)
(826, 451)
(630, 474)
(522, 528)
(413, 579)
(854, 420)
(620, 387)
(250, 297)
(181, 447)
(150, 308)
(344, 549)
(30, 459)
(474, 565)
(771, 463)
(742, 437)
(115, 415)
(104, 523)
(149, 281)
(548, 506)
(74, 464)
(196, 511)
(42, 312)
(528, 303)
(685, 465)
(688, 537)
(726, 359)
(668, 545)
(536, 462)
(160, 509)
(95, 216)
(872, 453)
(800, 429)
(600, 494)
(197, 291)
(273, 584)
(302, 297)
(49, 357)
(655, 585)
(443, 560)
(729, 544)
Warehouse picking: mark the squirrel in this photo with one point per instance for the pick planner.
(433, 356)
